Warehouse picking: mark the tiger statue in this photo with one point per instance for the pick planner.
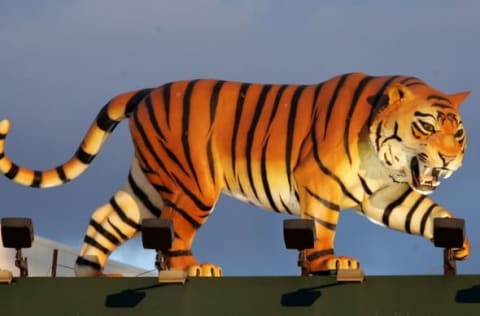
(376, 144)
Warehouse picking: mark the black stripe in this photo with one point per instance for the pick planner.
(418, 83)
(318, 89)
(376, 104)
(227, 184)
(325, 224)
(104, 122)
(83, 156)
(173, 157)
(266, 184)
(199, 204)
(329, 173)
(353, 105)
(121, 213)
(184, 214)
(152, 117)
(214, 99)
(285, 206)
(185, 129)
(442, 106)
(213, 110)
(408, 219)
(85, 262)
(178, 253)
(143, 197)
(394, 136)
(12, 173)
(423, 223)
(211, 160)
(37, 179)
(162, 188)
(421, 114)
(378, 134)
(406, 80)
(390, 207)
(166, 101)
(2, 155)
(251, 134)
(414, 133)
(61, 174)
(143, 163)
(239, 181)
(117, 230)
(276, 104)
(242, 94)
(365, 185)
(135, 100)
(330, 205)
(92, 242)
(319, 254)
(386, 159)
(333, 99)
(152, 151)
(3, 136)
(438, 97)
(290, 132)
(105, 233)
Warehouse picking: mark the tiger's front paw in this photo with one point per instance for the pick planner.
(205, 270)
(333, 263)
(464, 252)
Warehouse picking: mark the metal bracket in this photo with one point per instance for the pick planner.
(350, 275)
(6, 276)
(448, 233)
(172, 276)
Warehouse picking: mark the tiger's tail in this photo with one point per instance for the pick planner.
(107, 119)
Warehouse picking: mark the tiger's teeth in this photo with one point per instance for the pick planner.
(436, 184)
(445, 174)
(427, 171)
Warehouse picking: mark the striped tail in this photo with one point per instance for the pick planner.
(107, 119)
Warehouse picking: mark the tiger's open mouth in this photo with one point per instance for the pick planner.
(425, 179)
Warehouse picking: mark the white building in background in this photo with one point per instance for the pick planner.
(40, 258)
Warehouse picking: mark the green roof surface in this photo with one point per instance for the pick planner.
(315, 295)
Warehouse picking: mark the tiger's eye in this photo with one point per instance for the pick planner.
(427, 126)
(459, 133)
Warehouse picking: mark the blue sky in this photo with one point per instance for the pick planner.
(60, 61)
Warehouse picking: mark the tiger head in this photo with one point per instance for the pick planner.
(419, 136)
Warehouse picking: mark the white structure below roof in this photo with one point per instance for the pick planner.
(40, 257)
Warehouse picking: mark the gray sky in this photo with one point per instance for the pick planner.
(60, 61)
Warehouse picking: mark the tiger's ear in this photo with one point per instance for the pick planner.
(458, 98)
(399, 92)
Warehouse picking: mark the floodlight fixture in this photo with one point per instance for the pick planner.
(17, 233)
(299, 234)
(449, 233)
(158, 234)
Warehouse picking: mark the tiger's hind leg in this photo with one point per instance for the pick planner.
(110, 226)
(186, 225)
(117, 221)
(188, 207)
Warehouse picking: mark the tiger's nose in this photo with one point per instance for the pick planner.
(446, 158)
